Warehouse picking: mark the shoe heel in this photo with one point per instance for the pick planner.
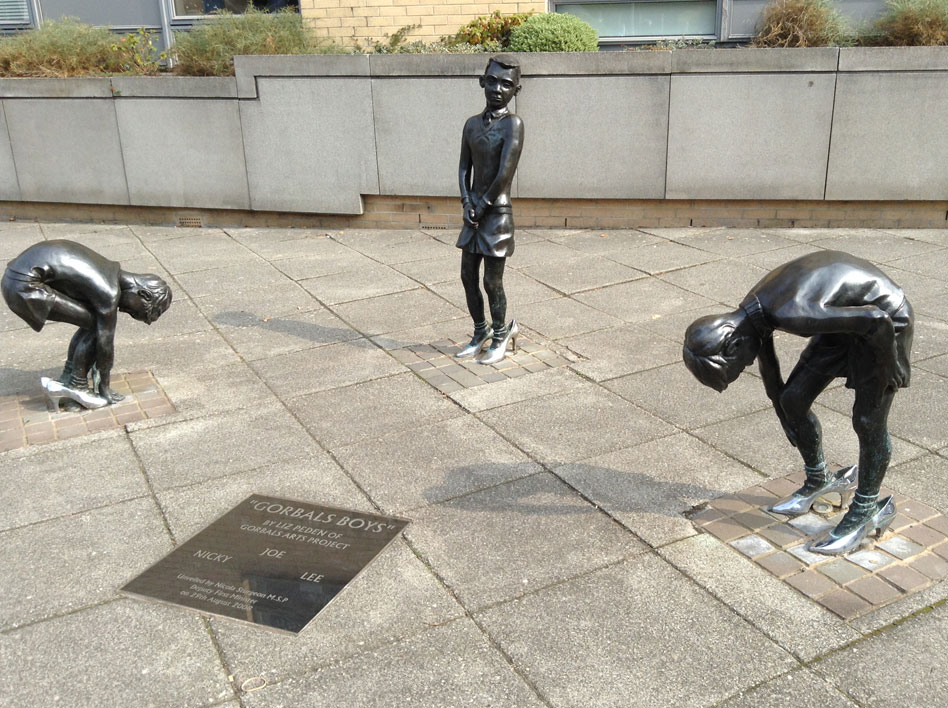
(886, 515)
(514, 335)
(52, 402)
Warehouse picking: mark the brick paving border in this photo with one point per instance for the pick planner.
(25, 421)
(435, 363)
(911, 556)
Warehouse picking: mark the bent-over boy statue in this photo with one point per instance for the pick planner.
(64, 281)
(490, 150)
(860, 327)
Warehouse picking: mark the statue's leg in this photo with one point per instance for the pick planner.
(870, 421)
(494, 287)
(802, 387)
(82, 356)
(470, 268)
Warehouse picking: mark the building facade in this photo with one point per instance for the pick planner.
(359, 22)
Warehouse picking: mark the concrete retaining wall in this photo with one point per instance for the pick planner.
(314, 134)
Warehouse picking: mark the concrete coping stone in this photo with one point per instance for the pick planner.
(80, 87)
(174, 86)
(745, 60)
(248, 68)
(893, 59)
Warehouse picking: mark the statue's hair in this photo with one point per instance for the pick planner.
(702, 352)
(506, 61)
(160, 293)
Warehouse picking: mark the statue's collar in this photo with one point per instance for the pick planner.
(755, 313)
(490, 115)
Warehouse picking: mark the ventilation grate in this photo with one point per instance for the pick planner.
(190, 222)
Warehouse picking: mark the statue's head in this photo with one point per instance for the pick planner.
(717, 349)
(501, 80)
(147, 298)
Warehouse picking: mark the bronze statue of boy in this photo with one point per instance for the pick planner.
(860, 327)
(490, 150)
(64, 281)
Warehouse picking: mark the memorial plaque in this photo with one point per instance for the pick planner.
(270, 561)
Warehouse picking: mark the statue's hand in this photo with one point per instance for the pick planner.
(469, 217)
(480, 206)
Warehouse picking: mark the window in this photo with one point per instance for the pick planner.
(196, 8)
(646, 19)
(14, 13)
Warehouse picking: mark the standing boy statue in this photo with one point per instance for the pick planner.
(490, 150)
(860, 327)
(64, 281)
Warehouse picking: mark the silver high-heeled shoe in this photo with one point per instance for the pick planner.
(830, 544)
(477, 343)
(844, 484)
(498, 347)
(55, 392)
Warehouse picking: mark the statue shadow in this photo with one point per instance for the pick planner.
(616, 491)
(19, 382)
(310, 331)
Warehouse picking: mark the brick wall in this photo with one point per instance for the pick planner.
(401, 212)
(350, 22)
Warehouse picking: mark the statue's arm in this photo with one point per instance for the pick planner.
(509, 159)
(105, 349)
(769, 367)
(465, 173)
(866, 321)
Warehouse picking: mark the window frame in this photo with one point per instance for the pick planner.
(34, 16)
(644, 39)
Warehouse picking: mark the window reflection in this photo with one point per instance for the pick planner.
(205, 7)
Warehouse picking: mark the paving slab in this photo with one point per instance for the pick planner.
(584, 272)
(433, 463)
(232, 278)
(911, 650)
(671, 393)
(339, 417)
(648, 486)
(318, 258)
(878, 246)
(272, 336)
(397, 312)
(614, 352)
(726, 281)
(661, 256)
(395, 597)
(339, 364)
(602, 241)
(797, 689)
(251, 305)
(525, 388)
(795, 622)
(98, 559)
(316, 479)
(529, 533)
(732, 242)
(369, 280)
(174, 659)
(49, 481)
(643, 300)
(563, 317)
(572, 426)
(433, 669)
(594, 641)
(202, 351)
(202, 249)
(203, 448)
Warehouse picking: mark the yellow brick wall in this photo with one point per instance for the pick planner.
(351, 22)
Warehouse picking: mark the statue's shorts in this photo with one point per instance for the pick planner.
(845, 355)
(29, 298)
(494, 235)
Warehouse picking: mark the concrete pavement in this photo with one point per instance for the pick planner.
(548, 562)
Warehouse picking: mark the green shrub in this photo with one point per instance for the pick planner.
(913, 23)
(491, 31)
(554, 32)
(801, 23)
(68, 47)
(209, 48)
